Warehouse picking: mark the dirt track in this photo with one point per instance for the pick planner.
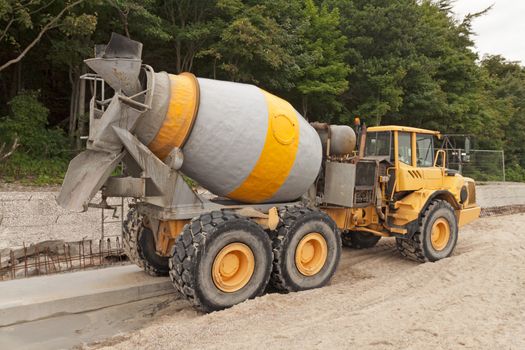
(377, 300)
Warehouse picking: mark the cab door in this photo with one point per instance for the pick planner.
(432, 176)
(415, 162)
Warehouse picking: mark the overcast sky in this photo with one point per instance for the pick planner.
(501, 31)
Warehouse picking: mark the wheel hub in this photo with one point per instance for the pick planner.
(233, 267)
(311, 254)
(440, 234)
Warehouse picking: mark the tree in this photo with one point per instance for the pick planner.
(189, 26)
(252, 46)
(324, 72)
(6, 152)
(22, 13)
(505, 92)
(69, 49)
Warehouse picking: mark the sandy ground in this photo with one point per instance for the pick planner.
(377, 300)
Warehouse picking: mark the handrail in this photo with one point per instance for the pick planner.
(441, 151)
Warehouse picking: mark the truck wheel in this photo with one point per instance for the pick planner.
(345, 239)
(359, 239)
(436, 237)
(306, 250)
(130, 229)
(139, 246)
(220, 260)
(154, 264)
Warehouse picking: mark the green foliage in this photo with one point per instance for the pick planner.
(515, 173)
(505, 91)
(22, 167)
(28, 122)
(43, 153)
(324, 72)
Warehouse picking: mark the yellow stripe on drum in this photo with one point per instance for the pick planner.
(182, 111)
(277, 157)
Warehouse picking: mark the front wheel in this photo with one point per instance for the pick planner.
(437, 235)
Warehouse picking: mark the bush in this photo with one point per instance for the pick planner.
(515, 173)
(44, 152)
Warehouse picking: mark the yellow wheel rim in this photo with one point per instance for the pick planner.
(233, 267)
(311, 253)
(440, 234)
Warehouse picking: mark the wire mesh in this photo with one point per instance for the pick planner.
(54, 257)
(481, 165)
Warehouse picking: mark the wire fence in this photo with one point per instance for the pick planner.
(481, 165)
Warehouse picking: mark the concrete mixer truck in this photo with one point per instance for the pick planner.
(286, 194)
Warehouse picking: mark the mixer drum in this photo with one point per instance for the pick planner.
(238, 140)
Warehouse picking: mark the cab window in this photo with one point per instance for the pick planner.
(378, 144)
(404, 148)
(425, 150)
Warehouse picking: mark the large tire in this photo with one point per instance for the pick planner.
(196, 251)
(139, 245)
(298, 224)
(345, 239)
(359, 239)
(422, 247)
(153, 264)
(130, 230)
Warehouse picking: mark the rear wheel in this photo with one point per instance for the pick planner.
(359, 239)
(306, 250)
(139, 245)
(154, 264)
(220, 260)
(130, 230)
(437, 235)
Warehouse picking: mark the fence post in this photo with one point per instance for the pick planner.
(503, 164)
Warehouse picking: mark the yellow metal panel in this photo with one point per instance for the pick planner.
(409, 208)
(466, 216)
(413, 145)
(167, 233)
(400, 128)
(339, 215)
(411, 178)
(181, 115)
(454, 184)
(353, 218)
(278, 154)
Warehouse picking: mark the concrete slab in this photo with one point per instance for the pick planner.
(69, 293)
(88, 328)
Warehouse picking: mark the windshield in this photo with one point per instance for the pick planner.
(378, 144)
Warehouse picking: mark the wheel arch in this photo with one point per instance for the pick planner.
(413, 213)
(444, 195)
